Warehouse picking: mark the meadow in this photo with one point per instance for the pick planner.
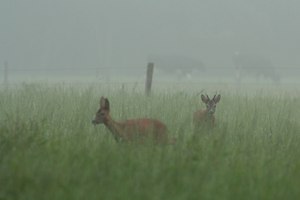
(49, 148)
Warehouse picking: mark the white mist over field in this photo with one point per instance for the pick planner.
(196, 40)
(217, 119)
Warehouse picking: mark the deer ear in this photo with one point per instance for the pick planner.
(104, 103)
(107, 104)
(217, 98)
(204, 98)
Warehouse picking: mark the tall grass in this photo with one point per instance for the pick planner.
(50, 150)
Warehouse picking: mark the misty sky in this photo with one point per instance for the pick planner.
(123, 33)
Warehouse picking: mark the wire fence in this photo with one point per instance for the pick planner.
(91, 68)
(109, 74)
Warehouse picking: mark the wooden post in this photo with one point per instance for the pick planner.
(149, 76)
(5, 73)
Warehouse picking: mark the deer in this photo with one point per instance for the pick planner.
(206, 117)
(133, 129)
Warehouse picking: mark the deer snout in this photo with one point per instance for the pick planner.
(211, 111)
(95, 122)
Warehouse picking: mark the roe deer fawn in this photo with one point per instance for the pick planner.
(134, 129)
(206, 117)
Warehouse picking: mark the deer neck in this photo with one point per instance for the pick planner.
(115, 128)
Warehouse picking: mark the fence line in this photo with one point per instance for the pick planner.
(291, 70)
(130, 68)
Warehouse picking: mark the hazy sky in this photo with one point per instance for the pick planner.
(114, 33)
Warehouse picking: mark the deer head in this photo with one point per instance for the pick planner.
(211, 103)
(102, 114)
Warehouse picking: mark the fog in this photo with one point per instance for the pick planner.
(120, 35)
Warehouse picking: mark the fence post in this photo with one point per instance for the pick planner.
(149, 76)
(5, 73)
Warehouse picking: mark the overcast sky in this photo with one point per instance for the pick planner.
(114, 33)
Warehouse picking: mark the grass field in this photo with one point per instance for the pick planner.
(50, 150)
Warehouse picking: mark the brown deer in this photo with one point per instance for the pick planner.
(206, 117)
(134, 129)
